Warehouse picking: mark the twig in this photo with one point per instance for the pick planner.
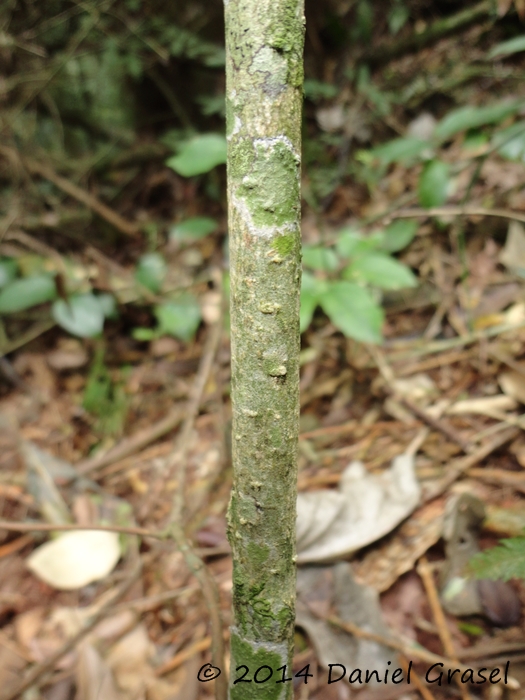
(14, 546)
(424, 691)
(112, 217)
(50, 527)
(425, 573)
(459, 466)
(41, 669)
(36, 330)
(405, 648)
(211, 598)
(389, 377)
(183, 656)
(437, 30)
(457, 211)
(133, 444)
(177, 459)
(449, 343)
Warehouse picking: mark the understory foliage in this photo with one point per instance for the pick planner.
(506, 561)
(101, 90)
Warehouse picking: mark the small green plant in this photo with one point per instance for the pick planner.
(198, 155)
(480, 126)
(79, 311)
(104, 397)
(505, 561)
(345, 279)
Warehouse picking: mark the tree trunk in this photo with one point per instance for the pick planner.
(264, 78)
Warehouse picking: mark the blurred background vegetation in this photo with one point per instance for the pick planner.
(112, 181)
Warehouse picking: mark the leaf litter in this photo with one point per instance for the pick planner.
(455, 359)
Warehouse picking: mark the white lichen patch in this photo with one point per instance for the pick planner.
(273, 141)
(259, 231)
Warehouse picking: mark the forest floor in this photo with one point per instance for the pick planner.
(110, 431)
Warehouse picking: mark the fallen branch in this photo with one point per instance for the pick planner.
(105, 212)
(133, 444)
(456, 211)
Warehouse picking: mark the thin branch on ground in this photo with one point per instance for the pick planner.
(133, 444)
(457, 211)
(111, 216)
(458, 467)
(425, 572)
(50, 527)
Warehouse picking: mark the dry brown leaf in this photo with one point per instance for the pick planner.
(513, 384)
(27, 626)
(385, 564)
(129, 660)
(94, 678)
(333, 524)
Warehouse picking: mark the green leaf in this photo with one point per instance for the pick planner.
(505, 561)
(108, 304)
(316, 90)
(398, 17)
(510, 142)
(353, 310)
(8, 270)
(506, 48)
(199, 155)
(179, 318)
(382, 271)
(151, 271)
(82, 315)
(434, 184)
(24, 293)
(310, 289)
(469, 628)
(193, 229)
(144, 334)
(399, 234)
(352, 244)
(319, 257)
(401, 150)
(470, 117)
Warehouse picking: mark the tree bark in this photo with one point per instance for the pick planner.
(264, 78)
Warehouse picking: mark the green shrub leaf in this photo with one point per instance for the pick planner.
(353, 310)
(8, 270)
(199, 155)
(151, 271)
(401, 150)
(505, 561)
(399, 234)
(470, 117)
(81, 315)
(108, 304)
(506, 48)
(510, 142)
(434, 184)
(27, 292)
(382, 271)
(193, 229)
(179, 318)
(352, 244)
(310, 292)
(319, 257)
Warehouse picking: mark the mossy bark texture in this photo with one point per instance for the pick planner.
(264, 79)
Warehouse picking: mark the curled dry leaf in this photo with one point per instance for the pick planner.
(75, 559)
(335, 586)
(333, 524)
(513, 384)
